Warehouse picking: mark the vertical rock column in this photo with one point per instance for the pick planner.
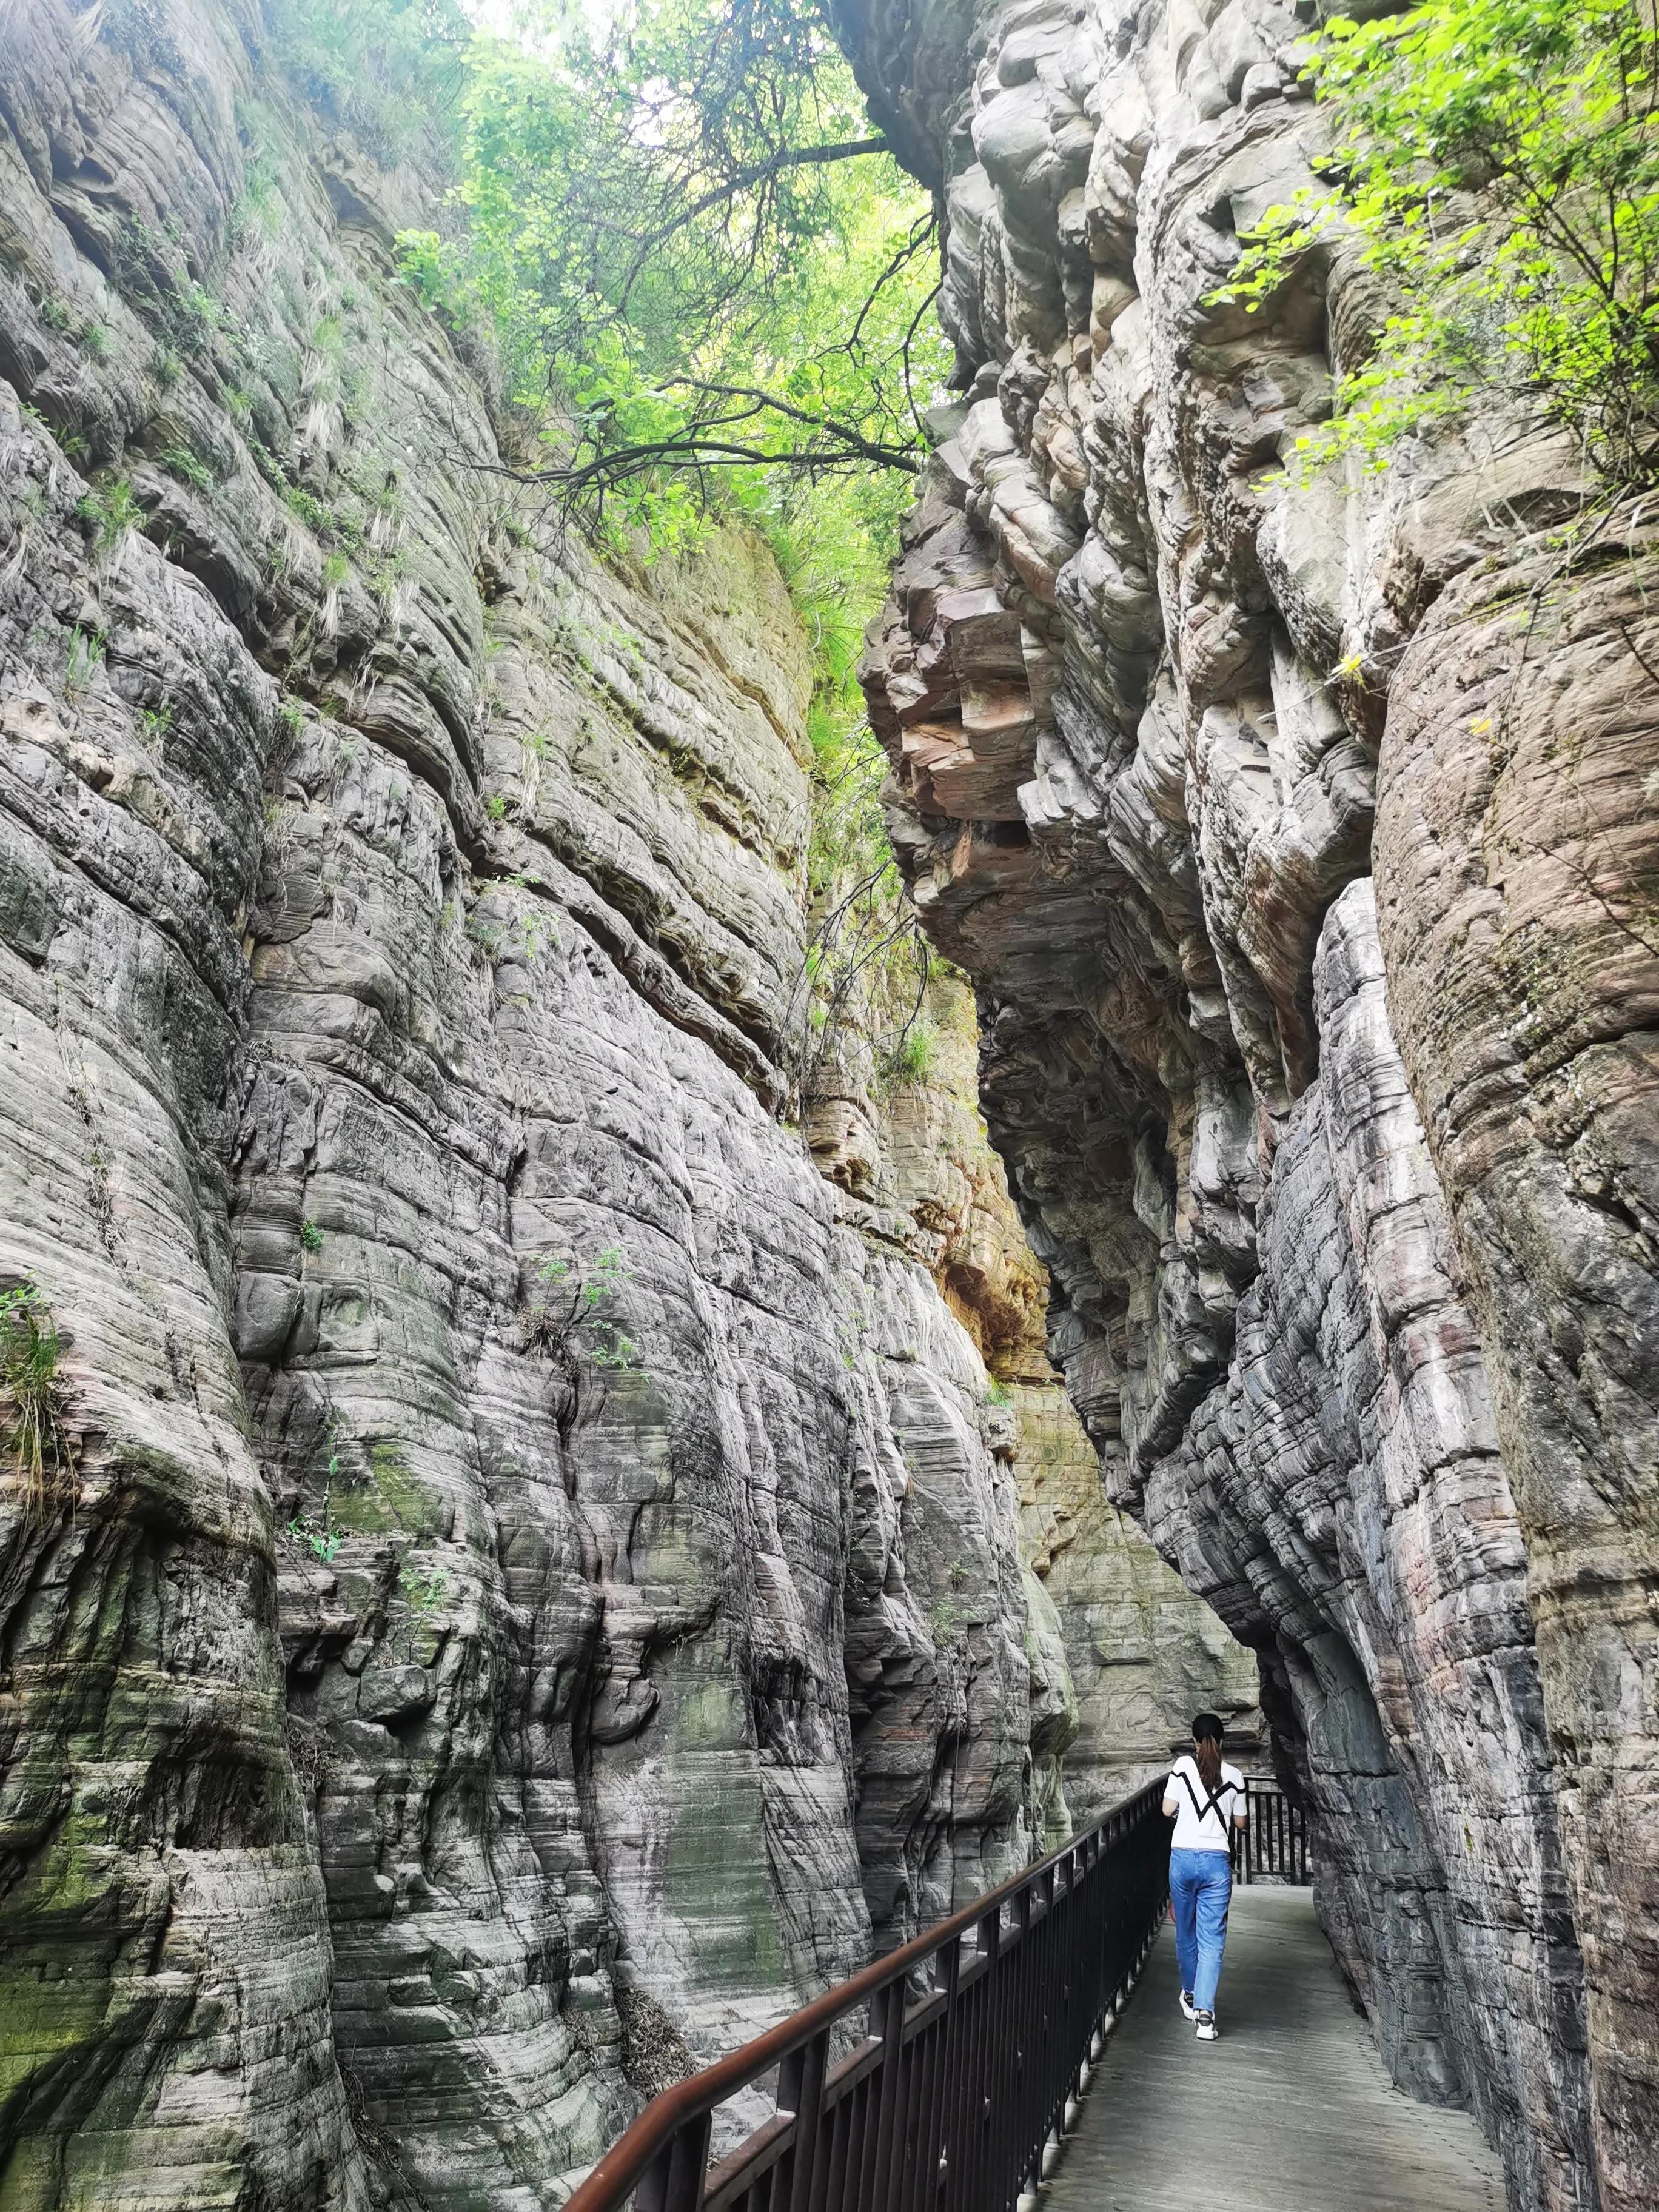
(165, 1965)
(1517, 868)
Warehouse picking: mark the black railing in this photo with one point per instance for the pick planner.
(975, 2038)
(1274, 1846)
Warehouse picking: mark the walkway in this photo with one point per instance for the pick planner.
(1289, 2112)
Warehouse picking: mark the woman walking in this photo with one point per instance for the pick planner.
(1207, 1800)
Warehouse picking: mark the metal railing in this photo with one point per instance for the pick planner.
(975, 2040)
(1274, 1845)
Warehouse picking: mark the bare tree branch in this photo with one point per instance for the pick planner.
(733, 187)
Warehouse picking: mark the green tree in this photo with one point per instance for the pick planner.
(708, 286)
(1498, 161)
(697, 260)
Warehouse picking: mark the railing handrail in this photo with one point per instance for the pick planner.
(621, 2168)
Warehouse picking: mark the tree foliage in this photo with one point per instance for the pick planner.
(708, 287)
(698, 259)
(862, 989)
(1498, 161)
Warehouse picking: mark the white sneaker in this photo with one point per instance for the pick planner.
(1208, 2030)
(1187, 2011)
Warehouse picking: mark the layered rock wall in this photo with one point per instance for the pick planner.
(1122, 1655)
(1290, 831)
(1142, 1658)
(527, 1581)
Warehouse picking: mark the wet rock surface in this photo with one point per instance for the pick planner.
(530, 1579)
(1289, 832)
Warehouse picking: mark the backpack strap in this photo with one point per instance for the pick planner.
(1214, 1805)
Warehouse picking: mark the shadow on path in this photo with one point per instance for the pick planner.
(1289, 2112)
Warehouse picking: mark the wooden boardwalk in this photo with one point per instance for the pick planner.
(1289, 2112)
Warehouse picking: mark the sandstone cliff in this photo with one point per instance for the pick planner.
(1299, 840)
(528, 1579)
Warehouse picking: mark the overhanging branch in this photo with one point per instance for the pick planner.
(731, 188)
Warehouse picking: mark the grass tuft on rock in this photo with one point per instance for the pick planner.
(29, 1350)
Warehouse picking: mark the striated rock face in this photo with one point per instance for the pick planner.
(1347, 1474)
(1142, 1656)
(529, 1584)
(1515, 865)
(1297, 840)
(1122, 1655)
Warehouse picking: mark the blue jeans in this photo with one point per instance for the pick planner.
(1201, 1884)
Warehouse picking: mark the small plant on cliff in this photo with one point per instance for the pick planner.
(947, 1620)
(611, 1348)
(566, 1312)
(113, 512)
(85, 658)
(915, 1057)
(535, 930)
(29, 1352)
(311, 1236)
(1498, 163)
(309, 509)
(424, 1589)
(187, 465)
(317, 1537)
(567, 1293)
(333, 1436)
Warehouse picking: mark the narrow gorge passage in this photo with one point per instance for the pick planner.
(827, 970)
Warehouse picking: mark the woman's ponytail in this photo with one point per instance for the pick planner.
(1206, 1751)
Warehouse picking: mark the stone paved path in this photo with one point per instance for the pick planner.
(1289, 2112)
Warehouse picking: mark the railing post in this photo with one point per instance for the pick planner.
(888, 2130)
(801, 2091)
(674, 2181)
(946, 2101)
(967, 2188)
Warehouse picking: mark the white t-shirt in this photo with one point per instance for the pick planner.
(1200, 1826)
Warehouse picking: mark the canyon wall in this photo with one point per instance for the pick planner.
(1130, 1656)
(525, 1578)
(1297, 832)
